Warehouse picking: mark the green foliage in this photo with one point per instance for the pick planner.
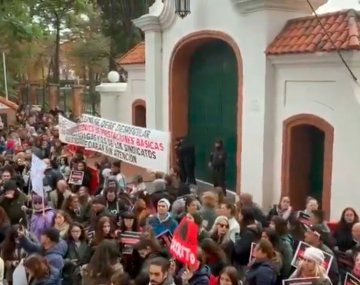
(117, 16)
(56, 14)
(19, 31)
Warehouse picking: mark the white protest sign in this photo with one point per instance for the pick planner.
(37, 175)
(142, 147)
(138, 146)
(67, 131)
(19, 275)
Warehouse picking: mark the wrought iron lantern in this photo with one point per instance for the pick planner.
(182, 8)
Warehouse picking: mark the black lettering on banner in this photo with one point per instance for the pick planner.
(119, 145)
(125, 156)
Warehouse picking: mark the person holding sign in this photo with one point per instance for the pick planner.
(197, 274)
(311, 266)
(262, 271)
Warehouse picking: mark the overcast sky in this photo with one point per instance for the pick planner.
(334, 5)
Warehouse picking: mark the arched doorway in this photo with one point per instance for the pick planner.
(212, 106)
(186, 110)
(139, 113)
(307, 160)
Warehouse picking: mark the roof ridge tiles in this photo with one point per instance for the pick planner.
(305, 34)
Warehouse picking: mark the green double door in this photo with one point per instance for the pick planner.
(213, 92)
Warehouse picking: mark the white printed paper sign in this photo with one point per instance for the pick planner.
(19, 275)
(143, 147)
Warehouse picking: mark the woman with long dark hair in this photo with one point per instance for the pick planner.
(215, 257)
(281, 228)
(11, 252)
(104, 230)
(262, 271)
(228, 276)
(103, 264)
(64, 167)
(342, 233)
(129, 222)
(79, 253)
(4, 224)
(62, 223)
(272, 236)
(74, 209)
(249, 233)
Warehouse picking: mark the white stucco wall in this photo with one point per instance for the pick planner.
(252, 32)
(135, 90)
(320, 85)
(117, 98)
(274, 89)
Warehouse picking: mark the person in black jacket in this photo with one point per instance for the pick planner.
(262, 270)
(342, 233)
(186, 160)
(217, 164)
(249, 233)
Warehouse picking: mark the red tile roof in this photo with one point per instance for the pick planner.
(305, 35)
(8, 103)
(134, 56)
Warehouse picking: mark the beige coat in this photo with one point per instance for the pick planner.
(53, 197)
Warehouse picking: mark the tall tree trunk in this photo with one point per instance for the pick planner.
(92, 89)
(112, 55)
(56, 66)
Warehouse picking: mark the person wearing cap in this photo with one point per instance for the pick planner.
(52, 247)
(162, 221)
(311, 267)
(315, 236)
(12, 201)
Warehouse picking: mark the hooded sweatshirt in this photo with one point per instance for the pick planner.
(41, 221)
(161, 225)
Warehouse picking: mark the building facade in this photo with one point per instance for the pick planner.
(263, 76)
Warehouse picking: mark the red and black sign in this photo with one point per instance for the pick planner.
(76, 177)
(184, 244)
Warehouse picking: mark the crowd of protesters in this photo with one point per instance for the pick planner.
(72, 234)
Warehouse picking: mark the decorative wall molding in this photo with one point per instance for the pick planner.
(161, 16)
(250, 6)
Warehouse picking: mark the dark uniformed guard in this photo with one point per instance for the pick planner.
(218, 165)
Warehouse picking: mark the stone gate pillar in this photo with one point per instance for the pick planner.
(53, 96)
(77, 100)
